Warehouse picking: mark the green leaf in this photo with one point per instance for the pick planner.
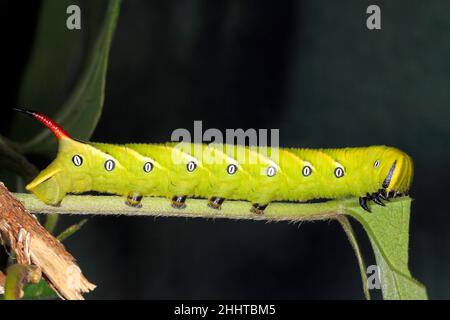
(71, 230)
(81, 111)
(388, 231)
(40, 290)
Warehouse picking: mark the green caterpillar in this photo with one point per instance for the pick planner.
(176, 171)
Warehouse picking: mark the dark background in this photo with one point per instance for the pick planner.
(311, 69)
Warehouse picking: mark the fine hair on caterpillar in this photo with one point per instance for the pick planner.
(215, 171)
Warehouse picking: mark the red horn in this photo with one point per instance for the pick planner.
(57, 130)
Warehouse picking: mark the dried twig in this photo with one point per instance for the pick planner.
(32, 244)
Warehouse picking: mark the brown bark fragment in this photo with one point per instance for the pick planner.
(32, 244)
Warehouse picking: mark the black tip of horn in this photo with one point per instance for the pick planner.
(31, 112)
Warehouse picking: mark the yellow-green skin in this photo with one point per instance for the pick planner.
(170, 177)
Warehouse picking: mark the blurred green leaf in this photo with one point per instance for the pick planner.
(71, 230)
(53, 56)
(12, 159)
(81, 111)
(388, 231)
(40, 290)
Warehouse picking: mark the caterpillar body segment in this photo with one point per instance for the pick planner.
(221, 172)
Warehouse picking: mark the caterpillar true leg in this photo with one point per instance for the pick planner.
(394, 194)
(376, 198)
(363, 203)
(382, 194)
(215, 202)
(134, 200)
(258, 208)
(178, 202)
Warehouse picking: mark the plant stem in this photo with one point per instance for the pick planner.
(153, 206)
(17, 276)
(384, 225)
(51, 222)
(354, 243)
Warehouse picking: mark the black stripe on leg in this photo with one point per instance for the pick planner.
(258, 208)
(178, 202)
(215, 202)
(134, 200)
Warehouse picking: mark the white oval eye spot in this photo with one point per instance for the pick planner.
(306, 171)
(110, 165)
(148, 166)
(339, 172)
(77, 160)
(191, 166)
(271, 171)
(231, 169)
(376, 164)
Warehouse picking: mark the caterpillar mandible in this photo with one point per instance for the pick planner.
(171, 170)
